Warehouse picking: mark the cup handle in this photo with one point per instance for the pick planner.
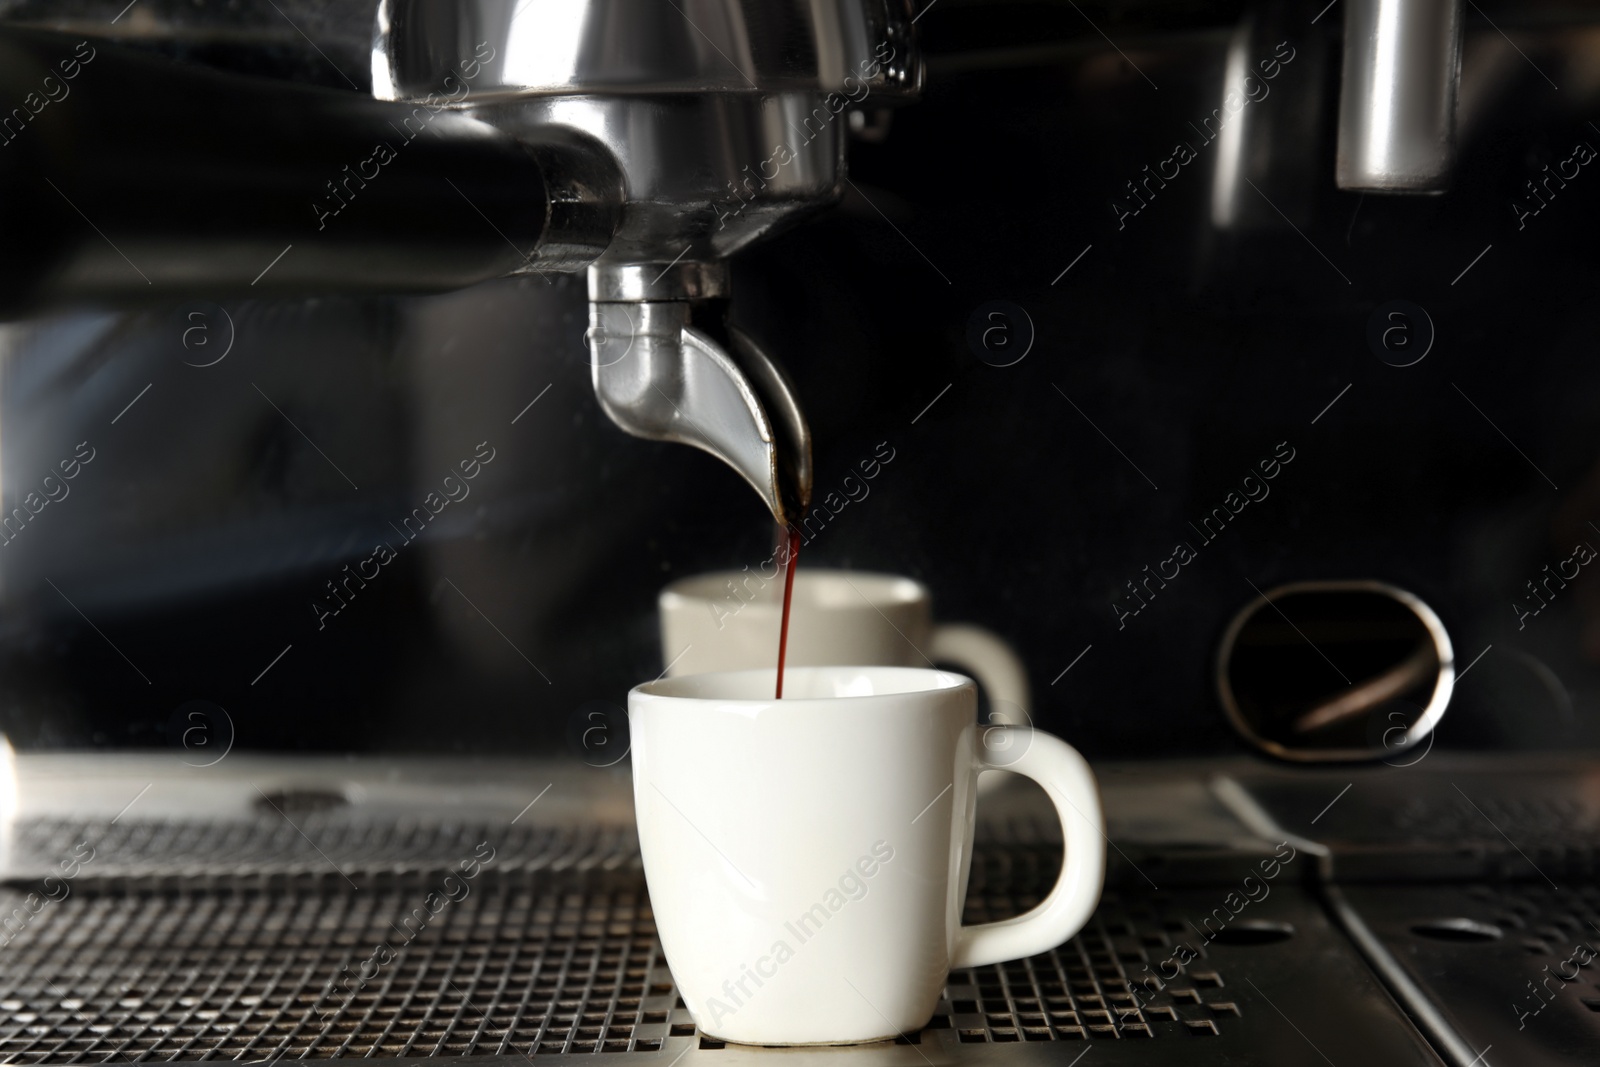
(1070, 784)
(991, 661)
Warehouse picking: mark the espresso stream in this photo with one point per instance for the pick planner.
(791, 557)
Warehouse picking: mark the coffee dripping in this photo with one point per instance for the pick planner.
(791, 558)
(682, 385)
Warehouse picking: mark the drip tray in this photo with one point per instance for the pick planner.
(553, 953)
(1512, 966)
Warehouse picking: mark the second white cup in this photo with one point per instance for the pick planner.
(729, 621)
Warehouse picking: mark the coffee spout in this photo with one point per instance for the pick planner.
(659, 377)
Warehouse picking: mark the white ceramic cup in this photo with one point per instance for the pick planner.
(807, 858)
(729, 620)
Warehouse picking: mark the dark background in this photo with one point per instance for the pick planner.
(190, 550)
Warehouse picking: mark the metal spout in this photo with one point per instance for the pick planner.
(661, 378)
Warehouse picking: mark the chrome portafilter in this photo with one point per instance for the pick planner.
(691, 130)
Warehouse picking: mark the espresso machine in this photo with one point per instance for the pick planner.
(1234, 362)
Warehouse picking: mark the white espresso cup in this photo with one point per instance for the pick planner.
(729, 621)
(807, 858)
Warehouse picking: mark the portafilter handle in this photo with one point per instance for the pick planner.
(129, 177)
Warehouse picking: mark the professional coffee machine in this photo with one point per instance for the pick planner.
(1231, 361)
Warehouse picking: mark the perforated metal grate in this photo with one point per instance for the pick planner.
(535, 960)
(1557, 822)
(126, 974)
(277, 846)
(1505, 964)
(1540, 920)
(1104, 983)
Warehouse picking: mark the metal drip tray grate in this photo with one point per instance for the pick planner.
(124, 974)
(1435, 825)
(1094, 986)
(276, 847)
(533, 960)
(1510, 965)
